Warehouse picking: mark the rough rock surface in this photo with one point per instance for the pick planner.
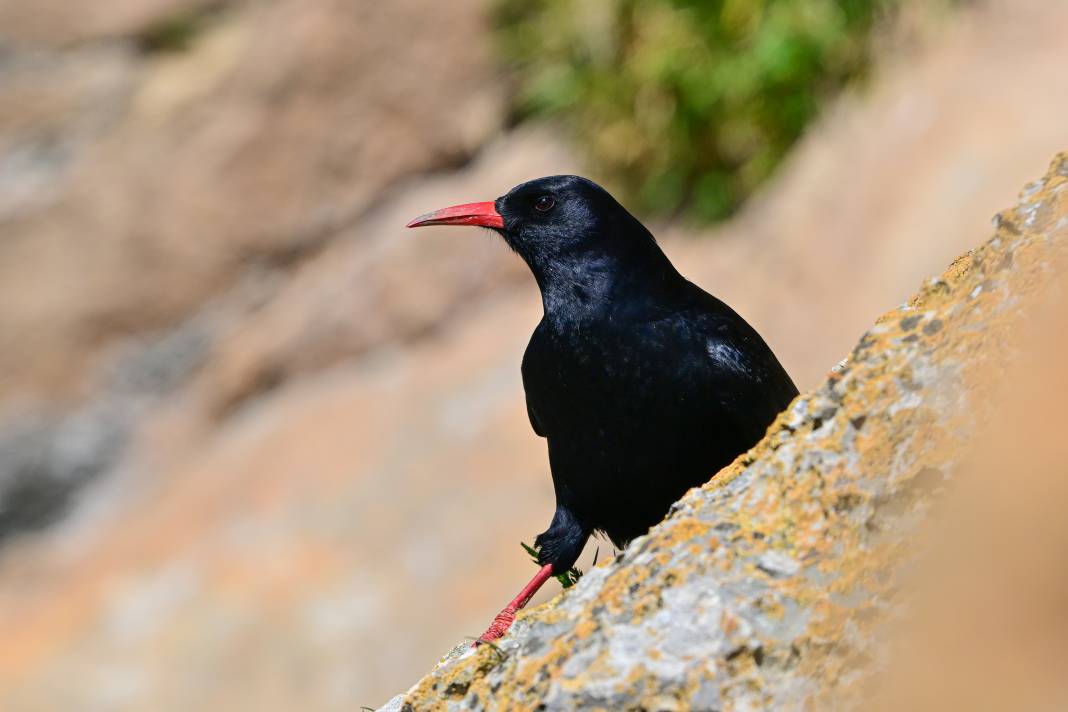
(762, 589)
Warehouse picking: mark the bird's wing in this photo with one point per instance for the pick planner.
(733, 368)
(741, 374)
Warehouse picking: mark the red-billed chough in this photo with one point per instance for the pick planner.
(643, 384)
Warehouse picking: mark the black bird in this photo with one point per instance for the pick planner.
(643, 384)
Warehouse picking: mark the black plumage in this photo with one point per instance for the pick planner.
(643, 384)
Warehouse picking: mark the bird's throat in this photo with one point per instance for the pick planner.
(589, 283)
(576, 286)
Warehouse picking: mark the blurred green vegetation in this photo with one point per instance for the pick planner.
(685, 104)
(179, 31)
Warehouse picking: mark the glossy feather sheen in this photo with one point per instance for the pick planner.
(643, 384)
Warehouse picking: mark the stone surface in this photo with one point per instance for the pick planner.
(764, 588)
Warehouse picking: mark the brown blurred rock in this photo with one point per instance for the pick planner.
(278, 125)
(59, 24)
(379, 283)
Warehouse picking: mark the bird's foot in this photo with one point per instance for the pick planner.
(500, 625)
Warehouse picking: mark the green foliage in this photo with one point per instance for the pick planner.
(567, 579)
(684, 104)
(176, 32)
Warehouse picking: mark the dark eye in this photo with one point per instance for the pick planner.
(544, 204)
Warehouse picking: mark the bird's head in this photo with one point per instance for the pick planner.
(552, 220)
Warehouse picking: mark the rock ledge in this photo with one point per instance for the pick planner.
(761, 590)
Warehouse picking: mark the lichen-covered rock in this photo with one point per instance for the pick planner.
(761, 590)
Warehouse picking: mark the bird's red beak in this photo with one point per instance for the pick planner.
(483, 214)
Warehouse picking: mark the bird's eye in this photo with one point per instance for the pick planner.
(544, 204)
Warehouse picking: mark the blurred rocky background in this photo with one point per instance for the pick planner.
(262, 448)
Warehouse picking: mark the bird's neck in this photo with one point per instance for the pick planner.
(586, 284)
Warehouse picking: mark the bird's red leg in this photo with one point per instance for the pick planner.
(505, 618)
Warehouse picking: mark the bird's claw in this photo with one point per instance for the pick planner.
(500, 625)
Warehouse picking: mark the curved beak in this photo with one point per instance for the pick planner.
(482, 214)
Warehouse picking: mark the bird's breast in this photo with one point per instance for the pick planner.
(601, 383)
